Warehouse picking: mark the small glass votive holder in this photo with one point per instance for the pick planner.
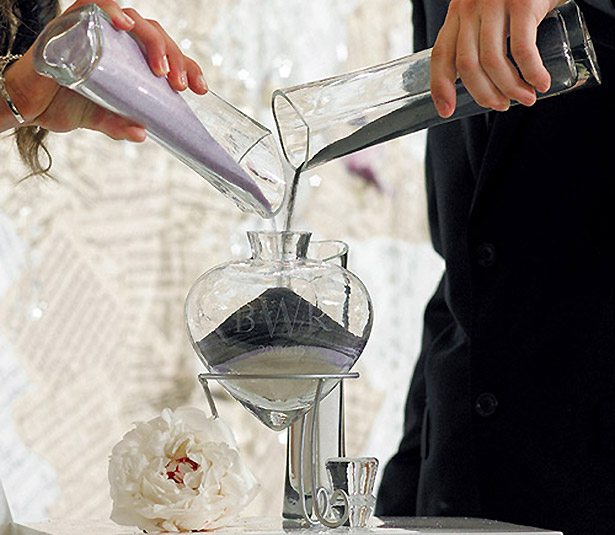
(356, 477)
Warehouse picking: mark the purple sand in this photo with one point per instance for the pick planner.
(123, 82)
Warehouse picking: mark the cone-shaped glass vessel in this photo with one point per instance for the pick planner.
(323, 120)
(278, 313)
(83, 51)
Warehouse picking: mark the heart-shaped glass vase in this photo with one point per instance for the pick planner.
(278, 313)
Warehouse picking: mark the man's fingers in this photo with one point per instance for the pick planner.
(494, 60)
(523, 26)
(470, 70)
(443, 71)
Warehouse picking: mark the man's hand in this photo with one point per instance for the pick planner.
(471, 46)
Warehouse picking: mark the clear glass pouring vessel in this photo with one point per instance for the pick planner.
(84, 52)
(323, 120)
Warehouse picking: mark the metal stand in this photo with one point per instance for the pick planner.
(329, 508)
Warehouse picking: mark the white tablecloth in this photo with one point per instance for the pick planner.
(257, 526)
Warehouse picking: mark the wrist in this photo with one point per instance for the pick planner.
(29, 92)
(5, 61)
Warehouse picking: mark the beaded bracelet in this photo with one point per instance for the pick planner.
(4, 62)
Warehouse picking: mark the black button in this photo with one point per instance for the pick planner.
(486, 404)
(486, 255)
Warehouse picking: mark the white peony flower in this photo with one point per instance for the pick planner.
(179, 472)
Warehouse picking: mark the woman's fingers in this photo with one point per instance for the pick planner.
(120, 19)
(69, 111)
(177, 75)
(196, 81)
(96, 118)
(120, 129)
(165, 57)
(42, 102)
(153, 41)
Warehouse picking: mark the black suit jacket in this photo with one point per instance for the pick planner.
(511, 410)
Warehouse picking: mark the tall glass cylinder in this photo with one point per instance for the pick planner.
(329, 439)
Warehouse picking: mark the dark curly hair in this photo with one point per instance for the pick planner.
(20, 23)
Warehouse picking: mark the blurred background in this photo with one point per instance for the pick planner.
(95, 267)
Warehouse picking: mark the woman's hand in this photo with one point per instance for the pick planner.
(164, 56)
(44, 103)
(471, 46)
(68, 111)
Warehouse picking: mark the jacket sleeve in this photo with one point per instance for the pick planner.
(600, 18)
(398, 489)
(606, 6)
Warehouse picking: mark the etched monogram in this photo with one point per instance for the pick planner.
(279, 318)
